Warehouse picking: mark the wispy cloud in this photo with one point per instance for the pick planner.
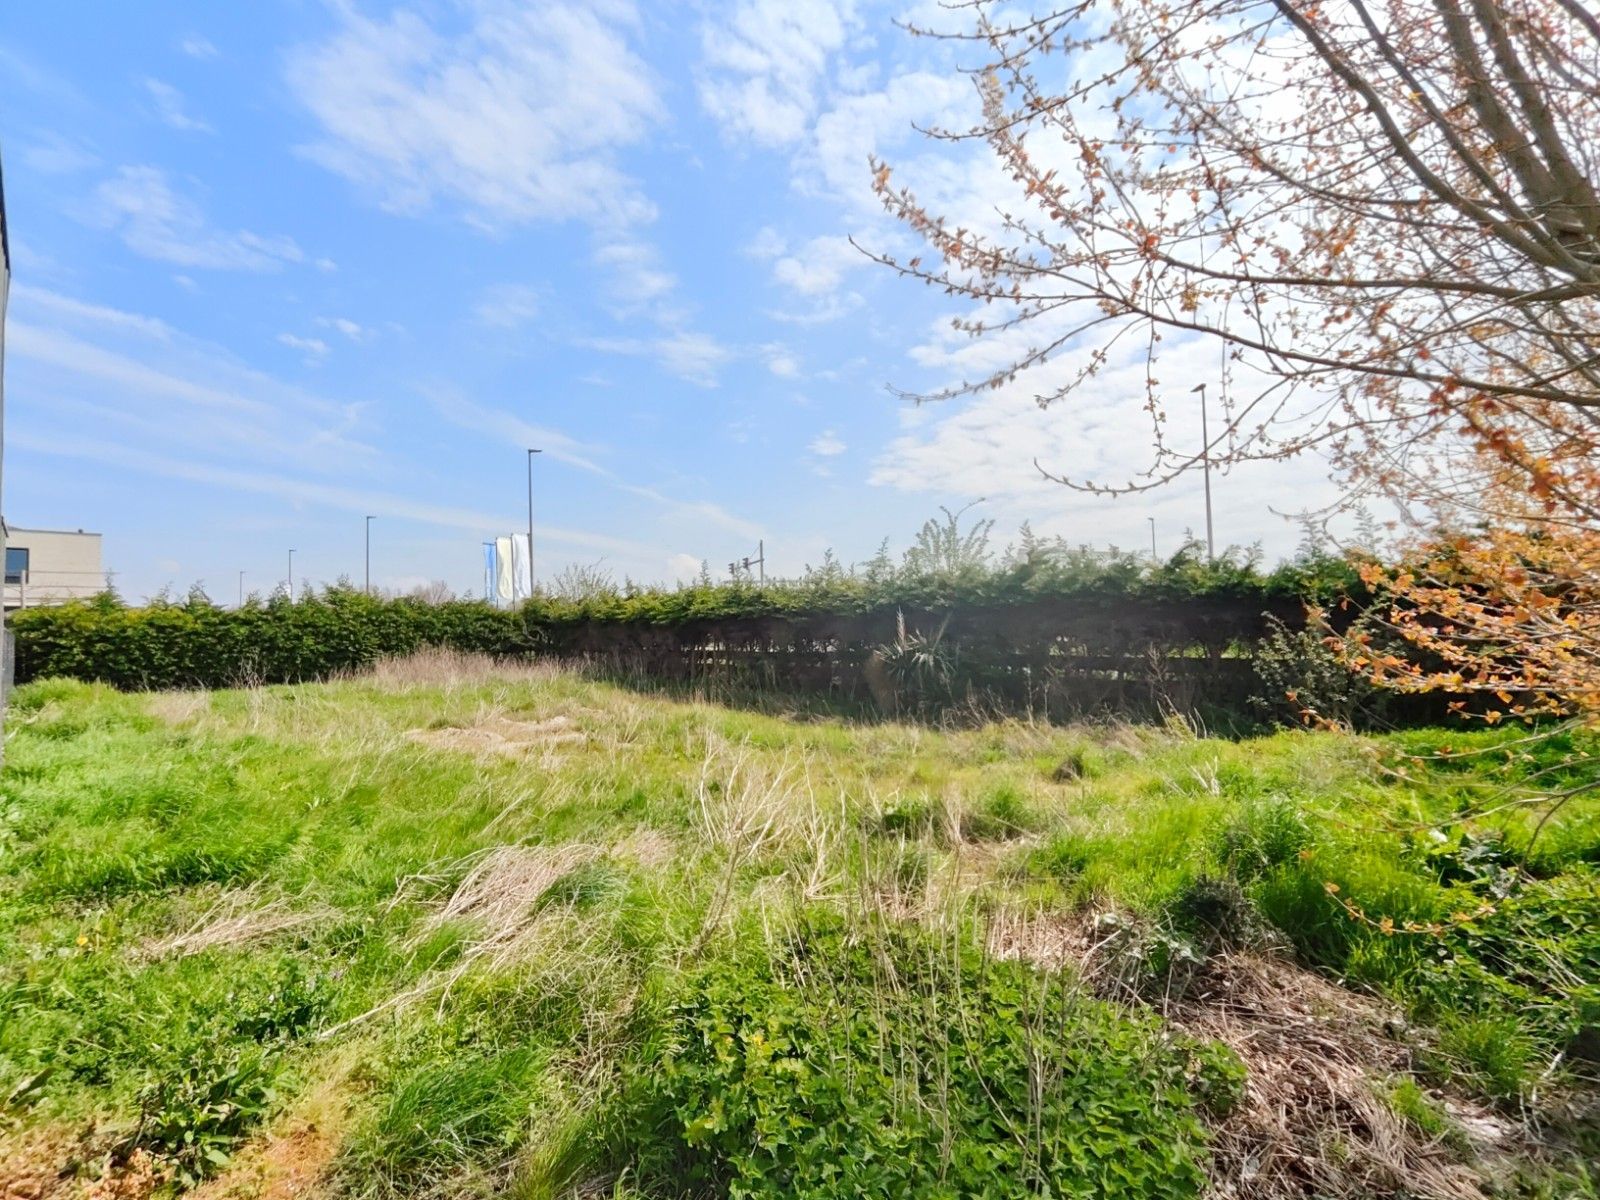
(827, 444)
(26, 296)
(54, 154)
(508, 305)
(309, 491)
(691, 356)
(762, 63)
(314, 349)
(170, 390)
(637, 278)
(170, 108)
(518, 117)
(512, 429)
(780, 360)
(154, 221)
(515, 431)
(353, 330)
(196, 46)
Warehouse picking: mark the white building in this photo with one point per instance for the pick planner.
(49, 566)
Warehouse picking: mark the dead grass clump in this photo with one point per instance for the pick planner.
(1312, 1121)
(647, 848)
(503, 896)
(502, 736)
(177, 708)
(238, 918)
(440, 666)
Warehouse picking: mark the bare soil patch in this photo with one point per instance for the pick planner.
(290, 1164)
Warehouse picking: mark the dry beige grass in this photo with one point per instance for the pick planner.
(439, 667)
(238, 918)
(1312, 1121)
(177, 708)
(500, 736)
(501, 897)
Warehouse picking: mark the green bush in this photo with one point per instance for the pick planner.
(894, 1063)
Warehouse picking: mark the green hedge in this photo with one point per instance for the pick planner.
(195, 643)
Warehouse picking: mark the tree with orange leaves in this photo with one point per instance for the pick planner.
(1385, 212)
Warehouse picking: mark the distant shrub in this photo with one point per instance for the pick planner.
(1302, 681)
(897, 1064)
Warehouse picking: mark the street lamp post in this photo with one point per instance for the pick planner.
(241, 589)
(1205, 437)
(369, 556)
(1154, 557)
(291, 577)
(531, 453)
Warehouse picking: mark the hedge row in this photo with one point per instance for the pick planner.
(194, 643)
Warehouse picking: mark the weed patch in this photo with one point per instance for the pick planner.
(892, 1063)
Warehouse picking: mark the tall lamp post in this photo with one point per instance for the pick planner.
(291, 577)
(1205, 437)
(1154, 557)
(369, 556)
(531, 453)
(241, 589)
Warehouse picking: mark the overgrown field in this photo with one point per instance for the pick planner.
(454, 928)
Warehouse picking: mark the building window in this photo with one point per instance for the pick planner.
(16, 564)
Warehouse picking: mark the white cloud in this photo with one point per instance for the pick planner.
(683, 568)
(154, 221)
(827, 444)
(314, 349)
(353, 330)
(305, 491)
(171, 391)
(830, 309)
(638, 279)
(780, 361)
(515, 431)
(692, 356)
(995, 444)
(818, 267)
(169, 107)
(763, 63)
(55, 155)
(518, 116)
(196, 46)
(767, 243)
(884, 122)
(25, 297)
(508, 305)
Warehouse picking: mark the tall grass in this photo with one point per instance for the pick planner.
(286, 878)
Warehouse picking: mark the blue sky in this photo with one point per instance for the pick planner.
(279, 266)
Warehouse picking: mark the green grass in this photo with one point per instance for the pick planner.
(490, 1021)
